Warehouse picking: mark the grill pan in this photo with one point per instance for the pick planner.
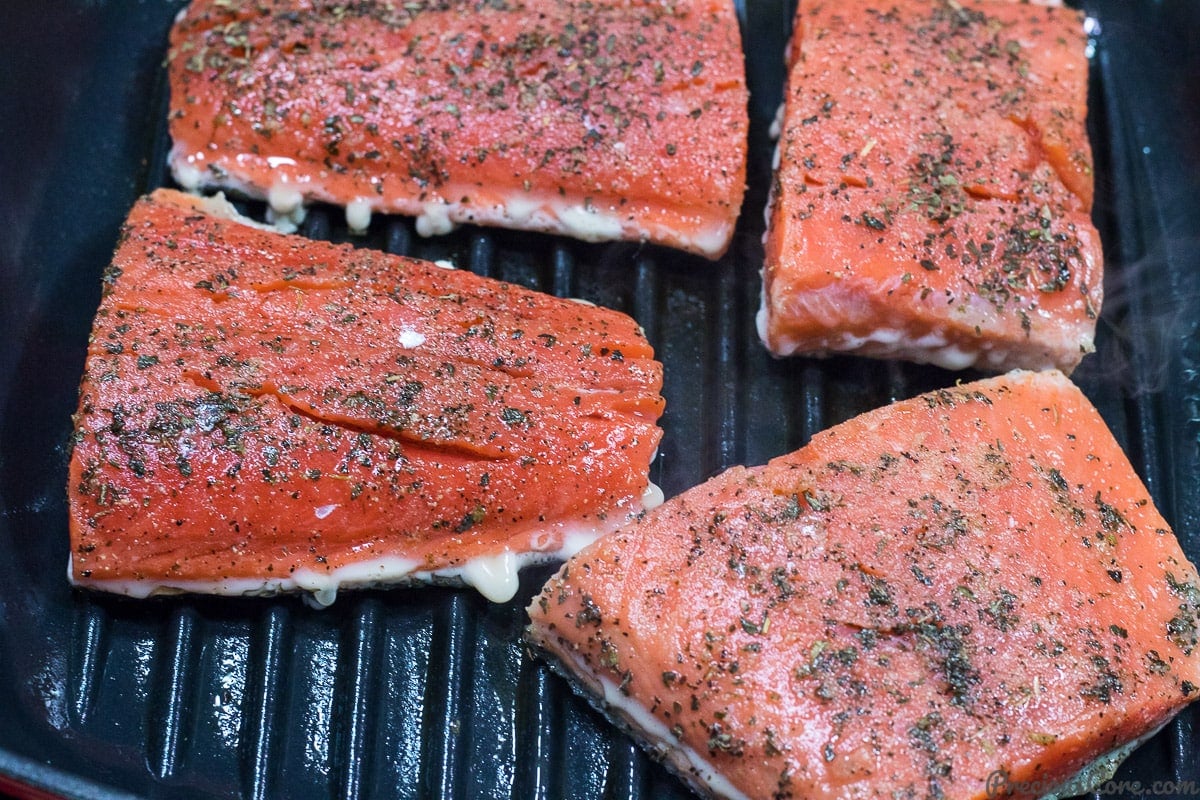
(429, 693)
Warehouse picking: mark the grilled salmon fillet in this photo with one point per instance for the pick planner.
(617, 119)
(970, 583)
(262, 413)
(934, 187)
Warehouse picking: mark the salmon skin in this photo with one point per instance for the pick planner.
(618, 119)
(967, 584)
(934, 187)
(264, 413)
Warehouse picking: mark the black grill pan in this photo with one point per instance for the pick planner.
(430, 693)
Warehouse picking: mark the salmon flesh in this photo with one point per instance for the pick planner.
(962, 594)
(599, 120)
(263, 413)
(934, 189)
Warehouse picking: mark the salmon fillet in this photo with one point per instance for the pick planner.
(967, 584)
(599, 120)
(263, 413)
(934, 187)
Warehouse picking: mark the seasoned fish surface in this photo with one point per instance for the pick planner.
(262, 412)
(599, 120)
(970, 583)
(934, 189)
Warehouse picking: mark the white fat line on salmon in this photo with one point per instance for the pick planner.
(655, 732)
(494, 575)
(285, 202)
(931, 347)
(589, 221)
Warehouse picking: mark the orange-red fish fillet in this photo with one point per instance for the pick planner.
(934, 188)
(967, 584)
(262, 412)
(600, 120)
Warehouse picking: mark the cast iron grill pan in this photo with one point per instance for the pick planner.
(430, 693)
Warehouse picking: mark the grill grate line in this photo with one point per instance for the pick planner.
(359, 682)
(538, 727)
(90, 646)
(483, 255)
(646, 300)
(724, 362)
(170, 704)
(397, 237)
(158, 171)
(563, 266)
(897, 382)
(644, 306)
(1181, 748)
(263, 698)
(1125, 233)
(317, 224)
(812, 401)
(625, 771)
(449, 702)
(169, 707)
(1145, 414)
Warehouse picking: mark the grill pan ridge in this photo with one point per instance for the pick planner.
(430, 693)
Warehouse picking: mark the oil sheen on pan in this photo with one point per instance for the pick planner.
(264, 413)
(598, 120)
(934, 187)
(970, 583)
